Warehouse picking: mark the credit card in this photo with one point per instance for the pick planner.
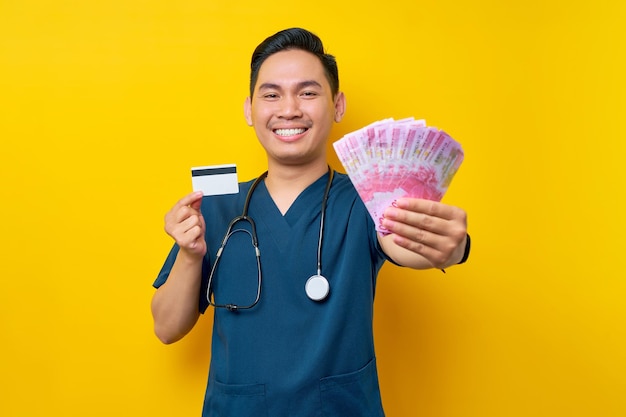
(215, 179)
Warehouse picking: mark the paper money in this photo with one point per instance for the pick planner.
(391, 159)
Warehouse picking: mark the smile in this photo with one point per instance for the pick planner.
(289, 132)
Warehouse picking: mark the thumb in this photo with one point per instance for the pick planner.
(195, 204)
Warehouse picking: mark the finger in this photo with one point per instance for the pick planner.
(190, 223)
(415, 236)
(425, 229)
(434, 248)
(428, 207)
(191, 199)
(191, 238)
(183, 213)
(202, 223)
(190, 232)
(416, 220)
(181, 221)
(180, 210)
(196, 203)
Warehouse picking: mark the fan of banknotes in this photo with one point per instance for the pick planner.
(390, 159)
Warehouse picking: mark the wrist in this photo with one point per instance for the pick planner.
(189, 256)
(466, 251)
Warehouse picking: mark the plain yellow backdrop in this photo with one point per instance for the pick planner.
(104, 107)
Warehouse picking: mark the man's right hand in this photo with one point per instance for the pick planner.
(185, 224)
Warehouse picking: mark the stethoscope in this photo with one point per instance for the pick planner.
(316, 287)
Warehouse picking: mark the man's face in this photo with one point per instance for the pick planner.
(293, 108)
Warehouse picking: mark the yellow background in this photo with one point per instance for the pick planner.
(105, 105)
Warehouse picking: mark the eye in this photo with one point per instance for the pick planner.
(308, 94)
(270, 96)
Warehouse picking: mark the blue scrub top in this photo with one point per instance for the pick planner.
(291, 356)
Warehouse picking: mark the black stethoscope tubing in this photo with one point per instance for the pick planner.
(253, 237)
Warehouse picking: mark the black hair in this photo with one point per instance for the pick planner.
(294, 38)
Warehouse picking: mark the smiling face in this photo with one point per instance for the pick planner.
(293, 109)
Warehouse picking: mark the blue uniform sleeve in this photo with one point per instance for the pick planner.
(166, 268)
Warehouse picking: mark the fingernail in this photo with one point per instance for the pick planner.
(387, 224)
(390, 212)
(400, 203)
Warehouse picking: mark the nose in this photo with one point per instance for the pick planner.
(290, 107)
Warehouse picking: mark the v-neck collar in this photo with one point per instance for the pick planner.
(305, 207)
(310, 199)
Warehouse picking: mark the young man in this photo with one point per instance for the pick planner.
(283, 346)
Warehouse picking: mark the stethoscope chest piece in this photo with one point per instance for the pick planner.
(317, 288)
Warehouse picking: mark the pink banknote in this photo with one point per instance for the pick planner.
(391, 159)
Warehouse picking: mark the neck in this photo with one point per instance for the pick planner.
(285, 183)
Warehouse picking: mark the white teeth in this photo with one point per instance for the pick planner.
(289, 132)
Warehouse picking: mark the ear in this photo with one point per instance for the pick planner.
(247, 110)
(340, 106)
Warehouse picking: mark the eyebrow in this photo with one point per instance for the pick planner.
(300, 85)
